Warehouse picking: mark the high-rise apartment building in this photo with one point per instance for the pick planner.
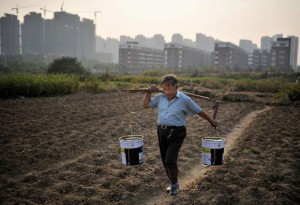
(134, 57)
(124, 39)
(281, 54)
(102, 53)
(284, 53)
(33, 34)
(204, 42)
(177, 38)
(247, 45)
(155, 42)
(294, 51)
(228, 55)
(158, 41)
(266, 41)
(66, 35)
(261, 60)
(112, 46)
(189, 43)
(179, 57)
(86, 39)
(10, 35)
(142, 40)
(61, 34)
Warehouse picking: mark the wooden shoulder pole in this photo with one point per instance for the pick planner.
(161, 91)
(215, 106)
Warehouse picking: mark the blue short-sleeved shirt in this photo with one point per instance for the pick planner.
(174, 113)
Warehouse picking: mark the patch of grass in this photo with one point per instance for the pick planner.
(265, 86)
(247, 151)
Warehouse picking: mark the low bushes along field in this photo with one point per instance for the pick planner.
(32, 85)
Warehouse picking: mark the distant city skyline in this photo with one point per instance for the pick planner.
(230, 20)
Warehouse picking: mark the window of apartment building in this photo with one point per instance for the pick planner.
(281, 57)
(281, 61)
(172, 52)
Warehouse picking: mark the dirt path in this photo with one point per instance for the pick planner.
(200, 170)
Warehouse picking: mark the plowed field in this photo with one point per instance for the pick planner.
(65, 150)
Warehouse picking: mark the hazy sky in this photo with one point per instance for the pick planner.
(226, 20)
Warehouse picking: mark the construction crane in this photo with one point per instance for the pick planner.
(45, 10)
(17, 12)
(62, 5)
(23, 7)
(95, 14)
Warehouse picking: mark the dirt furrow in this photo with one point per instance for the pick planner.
(199, 171)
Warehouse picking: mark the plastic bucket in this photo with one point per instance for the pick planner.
(212, 150)
(132, 149)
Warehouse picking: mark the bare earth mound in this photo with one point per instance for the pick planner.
(65, 150)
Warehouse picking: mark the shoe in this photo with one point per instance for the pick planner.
(168, 189)
(174, 189)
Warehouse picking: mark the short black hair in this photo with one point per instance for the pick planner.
(169, 79)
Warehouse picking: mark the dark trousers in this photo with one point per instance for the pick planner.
(170, 141)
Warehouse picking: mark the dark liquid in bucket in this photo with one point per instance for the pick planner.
(133, 156)
(216, 156)
(212, 150)
(132, 149)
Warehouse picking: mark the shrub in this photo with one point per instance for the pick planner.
(212, 84)
(265, 86)
(95, 85)
(290, 91)
(66, 65)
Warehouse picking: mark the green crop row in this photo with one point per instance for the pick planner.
(35, 85)
(137, 79)
(100, 84)
(31, 85)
